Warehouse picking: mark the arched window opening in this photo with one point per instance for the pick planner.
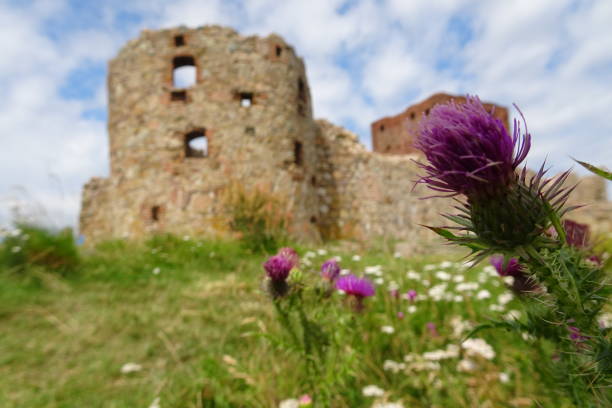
(246, 99)
(298, 153)
(184, 72)
(301, 90)
(279, 50)
(196, 144)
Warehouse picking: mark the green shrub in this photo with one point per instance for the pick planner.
(258, 216)
(29, 246)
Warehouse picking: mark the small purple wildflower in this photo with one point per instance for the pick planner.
(278, 267)
(277, 270)
(290, 255)
(469, 150)
(400, 315)
(576, 336)
(330, 270)
(431, 326)
(411, 295)
(359, 288)
(394, 293)
(522, 282)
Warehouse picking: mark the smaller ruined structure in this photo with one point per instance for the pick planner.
(396, 134)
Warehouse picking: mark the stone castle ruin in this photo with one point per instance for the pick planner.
(246, 117)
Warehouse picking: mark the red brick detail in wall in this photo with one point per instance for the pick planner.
(396, 134)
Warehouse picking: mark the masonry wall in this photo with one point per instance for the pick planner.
(397, 134)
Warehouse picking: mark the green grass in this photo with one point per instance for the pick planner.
(203, 330)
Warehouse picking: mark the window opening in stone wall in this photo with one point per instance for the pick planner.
(184, 72)
(196, 144)
(412, 115)
(301, 90)
(313, 180)
(382, 128)
(179, 40)
(426, 112)
(298, 153)
(155, 213)
(313, 219)
(246, 99)
(279, 50)
(178, 96)
(249, 130)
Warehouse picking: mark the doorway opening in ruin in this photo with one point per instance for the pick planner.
(196, 144)
(183, 72)
(298, 153)
(279, 50)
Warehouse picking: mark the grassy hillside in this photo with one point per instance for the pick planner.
(200, 331)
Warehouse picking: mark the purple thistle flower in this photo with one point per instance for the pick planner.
(278, 267)
(411, 295)
(330, 270)
(522, 282)
(576, 234)
(431, 326)
(576, 336)
(290, 255)
(354, 286)
(469, 150)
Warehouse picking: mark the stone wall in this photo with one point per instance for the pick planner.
(397, 134)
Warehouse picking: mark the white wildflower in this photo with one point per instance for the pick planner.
(356, 258)
(130, 368)
(341, 292)
(393, 366)
(496, 308)
(466, 365)
(337, 258)
(155, 403)
(476, 346)
(605, 320)
(508, 280)
(156, 270)
(483, 294)
(397, 255)
(388, 405)
(372, 391)
(437, 292)
(512, 315)
(443, 275)
(490, 269)
(309, 254)
(393, 285)
(412, 309)
(322, 251)
(387, 329)
(345, 272)
(458, 298)
(505, 298)
(15, 249)
(413, 275)
(527, 337)
(306, 262)
(379, 281)
(504, 378)
(373, 270)
(425, 282)
(466, 286)
(446, 264)
(459, 326)
(429, 267)
(458, 278)
(289, 403)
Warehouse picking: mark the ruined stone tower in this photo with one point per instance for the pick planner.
(246, 117)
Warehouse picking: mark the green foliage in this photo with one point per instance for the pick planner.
(595, 170)
(259, 217)
(29, 247)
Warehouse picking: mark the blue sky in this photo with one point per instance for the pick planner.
(365, 59)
